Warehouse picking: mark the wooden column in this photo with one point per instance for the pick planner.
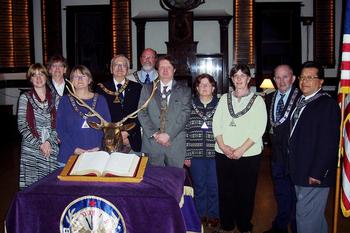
(140, 43)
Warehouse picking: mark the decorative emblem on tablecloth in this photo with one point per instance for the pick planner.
(91, 214)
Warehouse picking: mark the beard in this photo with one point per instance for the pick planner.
(147, 67)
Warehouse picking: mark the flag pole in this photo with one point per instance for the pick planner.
(338, 177)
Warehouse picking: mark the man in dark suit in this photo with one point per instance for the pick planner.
(122, 97)
(163, 121)
(58, 68)
(312, 149)
(280, 104)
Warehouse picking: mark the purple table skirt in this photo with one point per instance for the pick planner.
(150, 206)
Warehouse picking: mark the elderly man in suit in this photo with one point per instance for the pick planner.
(312, 149)
(148, 73)
(163, 121)
(122, 96)
(280, 104)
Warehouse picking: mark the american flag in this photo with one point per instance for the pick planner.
(344, 89)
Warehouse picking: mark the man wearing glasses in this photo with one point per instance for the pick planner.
(148, 73)
(280, 104)
(312, 149)
(122, 96)
(58, 69)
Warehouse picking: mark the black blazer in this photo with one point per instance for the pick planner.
(279, 135)
(119, 111)
(313, 146)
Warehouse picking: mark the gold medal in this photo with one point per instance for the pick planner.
(116, 100)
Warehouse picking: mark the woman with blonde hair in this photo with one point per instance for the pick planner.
(75, 134)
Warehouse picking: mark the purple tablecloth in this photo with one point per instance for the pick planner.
(150, 206)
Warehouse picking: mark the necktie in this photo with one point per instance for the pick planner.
(147, 80)
(296, 114)
(163, 108)
(279, 108)
(121, 95)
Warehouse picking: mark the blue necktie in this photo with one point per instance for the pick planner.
(147, 80)
(121, 96)
(279, 108)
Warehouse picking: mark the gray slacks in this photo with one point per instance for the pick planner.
(310, 209)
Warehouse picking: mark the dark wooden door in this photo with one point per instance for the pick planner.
(89, 38)
(278, 39)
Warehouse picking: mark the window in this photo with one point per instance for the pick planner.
(16, 37)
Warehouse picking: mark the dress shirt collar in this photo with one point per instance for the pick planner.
(151, 74)
(285, 97)
(116, 83)
(59, 87)
(309, 96)
(169, 85)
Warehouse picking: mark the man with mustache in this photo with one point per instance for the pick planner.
(148, 73)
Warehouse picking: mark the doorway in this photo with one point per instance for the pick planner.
(89, 38)
(278, 38)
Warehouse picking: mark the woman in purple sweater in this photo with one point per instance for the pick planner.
(74, 133)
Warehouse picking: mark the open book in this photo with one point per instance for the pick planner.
(100, 163)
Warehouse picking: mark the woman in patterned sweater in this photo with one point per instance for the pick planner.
(36, 123)
(200, 144)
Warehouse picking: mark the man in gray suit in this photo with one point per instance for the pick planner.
(164, 119)
(148, 73)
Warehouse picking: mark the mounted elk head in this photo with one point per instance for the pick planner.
(112, 137)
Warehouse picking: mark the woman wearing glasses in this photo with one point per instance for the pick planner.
(238, 126)
(75, 135)
(36, 123)
(200, 152)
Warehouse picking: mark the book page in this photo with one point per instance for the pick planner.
(90, 162)
(121, 164)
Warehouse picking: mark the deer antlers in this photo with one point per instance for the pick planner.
(80, 102)
(93, 113)
(134, 114)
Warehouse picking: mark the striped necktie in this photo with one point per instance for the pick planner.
(121, 95)
(280, 107)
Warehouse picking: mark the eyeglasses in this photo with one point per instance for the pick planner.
(59, 65)
(81, 77)
(236, 76)
(204, 85)
(307, 78)
(121, 66)
(148, 57)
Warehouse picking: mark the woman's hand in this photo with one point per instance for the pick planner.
(79, 151)
(93, 149)
(187, 162)
(228, 151)
(46, 149)
(238, 153)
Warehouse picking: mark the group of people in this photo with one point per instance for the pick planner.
(219, 140)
